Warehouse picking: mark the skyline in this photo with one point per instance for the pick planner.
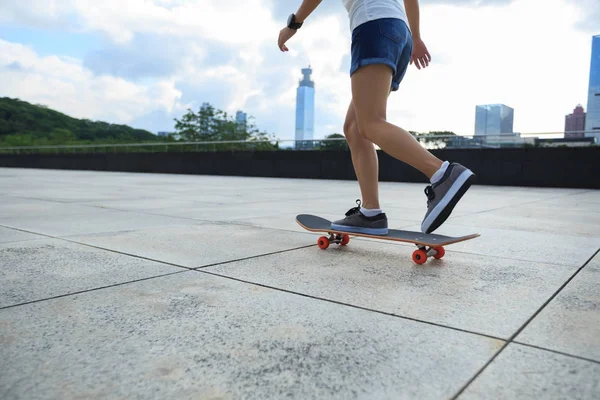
(148, 64)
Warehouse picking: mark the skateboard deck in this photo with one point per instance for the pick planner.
(428, 244)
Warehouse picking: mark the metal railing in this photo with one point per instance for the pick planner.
(428, 141)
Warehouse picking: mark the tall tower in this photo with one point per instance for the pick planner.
(592, 120)
(241, 120)
(305, 110)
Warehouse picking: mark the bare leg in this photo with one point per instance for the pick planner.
(364, 159)
(370, 89)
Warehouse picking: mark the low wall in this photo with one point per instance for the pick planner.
(537, 167)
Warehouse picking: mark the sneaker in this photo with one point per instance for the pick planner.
(357, 222)
(443, 195)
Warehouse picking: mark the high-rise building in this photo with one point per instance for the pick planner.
(241, 118)
(305, 110)
(493, 120)
(575, 123)
(592, 120)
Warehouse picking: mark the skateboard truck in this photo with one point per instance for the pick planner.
(420, 256)
(336, 238)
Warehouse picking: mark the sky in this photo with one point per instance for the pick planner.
(145, 62)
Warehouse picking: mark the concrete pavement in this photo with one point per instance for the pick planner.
(121, 285)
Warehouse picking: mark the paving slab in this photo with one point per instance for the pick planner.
(283, 221)
(148, 203)
(488, 295)
(15, 207)
(191, 336)
(8, 235)
(537, 218)
(231, 211)
(40, 269)
(592, 196)
(66, 193)
(95, 220)
(521, 372)
(570, 323)
(477, 199)
(199, 244)
(543, 247)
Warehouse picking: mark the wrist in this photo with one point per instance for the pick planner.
(294, 23)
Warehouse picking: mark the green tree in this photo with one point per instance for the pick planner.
(62, 136)
(46, 126)
(431, 141)
(334, 144)
(211, 124)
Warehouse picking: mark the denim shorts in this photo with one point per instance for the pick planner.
(382, 41)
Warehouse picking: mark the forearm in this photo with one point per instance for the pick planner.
(413, 14)
(306, 8)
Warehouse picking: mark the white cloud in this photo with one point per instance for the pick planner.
(63, 84)
(228, 21)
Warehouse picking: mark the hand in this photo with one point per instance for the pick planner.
(285, 35)
(420, 55)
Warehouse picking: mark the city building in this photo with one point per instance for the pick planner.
(592, 120)
(305, 110)
(575, 123)
(241, 118)
(493, 120)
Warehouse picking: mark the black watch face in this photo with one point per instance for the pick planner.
(290, 19)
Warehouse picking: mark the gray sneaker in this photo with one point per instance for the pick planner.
(445, 194)
(356, 221)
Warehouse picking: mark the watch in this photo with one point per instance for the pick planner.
(292, 24)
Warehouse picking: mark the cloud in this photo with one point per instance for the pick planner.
(39, 13)
(145, 56)
(67, 86)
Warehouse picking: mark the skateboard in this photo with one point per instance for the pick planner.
(428, 244)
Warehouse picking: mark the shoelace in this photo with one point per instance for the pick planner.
(354, 210)
(429, 193)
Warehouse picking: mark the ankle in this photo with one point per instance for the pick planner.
(371, 206)
(434, 167)
(370, 212)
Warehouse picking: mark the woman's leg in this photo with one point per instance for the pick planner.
(364, 160)
(370, 89)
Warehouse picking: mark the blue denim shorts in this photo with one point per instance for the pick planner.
(382, 41)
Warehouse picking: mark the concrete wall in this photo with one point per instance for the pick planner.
(541, 167)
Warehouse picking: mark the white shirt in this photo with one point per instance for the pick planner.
(361, 11)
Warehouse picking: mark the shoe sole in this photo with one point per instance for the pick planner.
(465, 180)
(356, 229)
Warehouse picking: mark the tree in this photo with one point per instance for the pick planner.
(431, 141)
(62, 136)
(337, 144)
(46, 126)
(211, 124)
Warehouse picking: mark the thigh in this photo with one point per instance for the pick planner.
(370, 91)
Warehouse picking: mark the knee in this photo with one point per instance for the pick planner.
(351, 132)
(368, 128)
